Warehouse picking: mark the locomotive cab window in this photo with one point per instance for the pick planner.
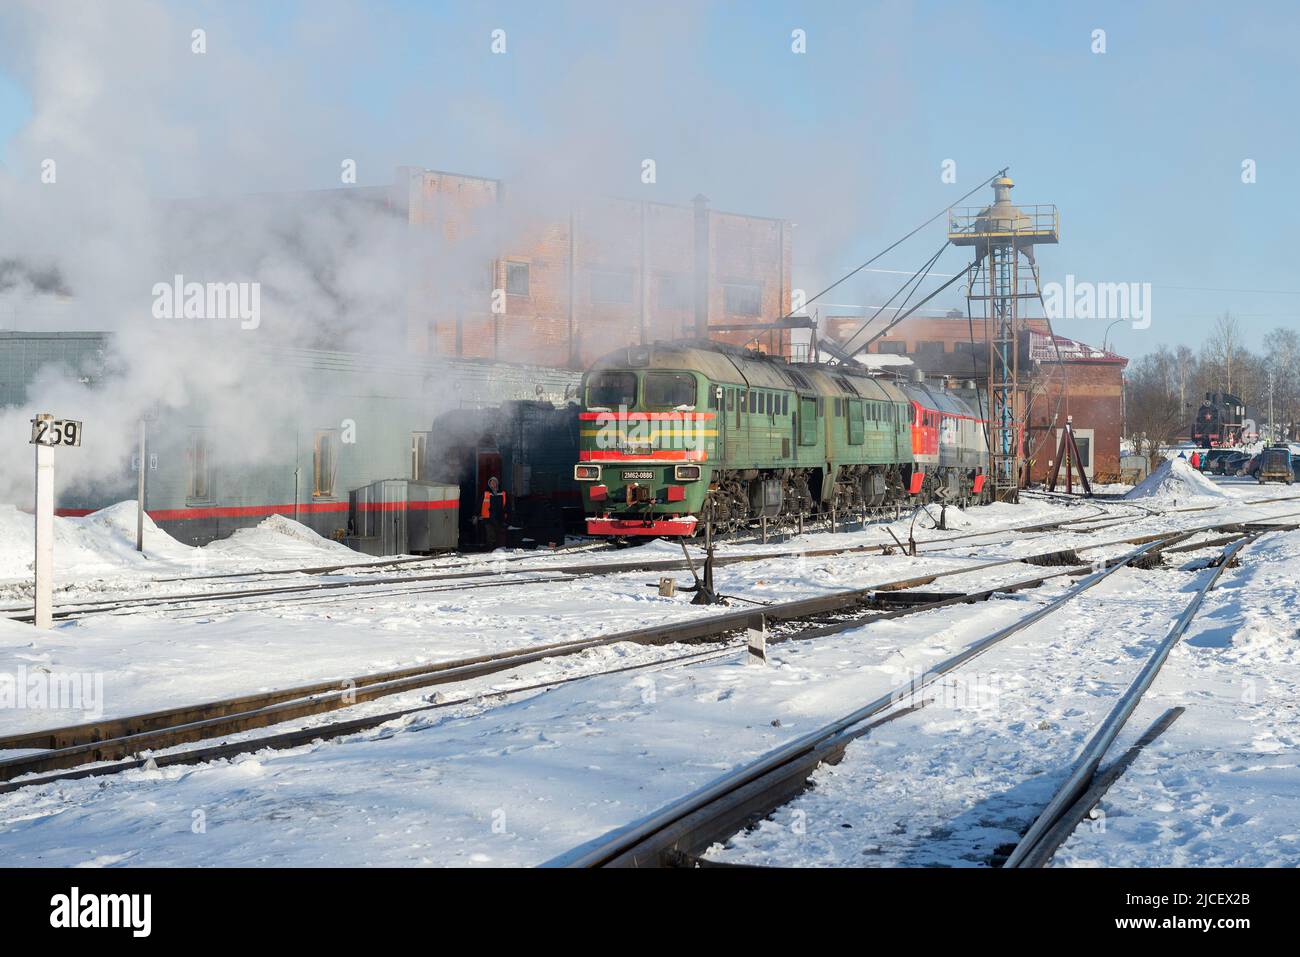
(807, 421)
(856, 426)
(609, 390)
(669, 389)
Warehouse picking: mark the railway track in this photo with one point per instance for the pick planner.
(1085, 785)
(498, 578)
(121, 739)
(678, 833)
(84, 608)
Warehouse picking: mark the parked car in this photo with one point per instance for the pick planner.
(1234, 463)
(1212, 461)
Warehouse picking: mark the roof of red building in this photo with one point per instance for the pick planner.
(1045, 348)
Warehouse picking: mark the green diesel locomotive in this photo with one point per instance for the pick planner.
(677, 435)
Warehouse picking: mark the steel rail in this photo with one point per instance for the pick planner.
(1060, 832)
(91, 732)
(695, 628)
(383, 563)
(163, 720)
(82, 608)
(1090, 758)
(110, 740)
(325, 732)
(255, 710)
(636, 844)
(117, 738)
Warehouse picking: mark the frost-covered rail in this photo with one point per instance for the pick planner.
(685, 828)
(1079, 793)
(120, 738)
(498, 576)
(322, 732)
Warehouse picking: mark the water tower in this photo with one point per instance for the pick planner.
(1002, 235)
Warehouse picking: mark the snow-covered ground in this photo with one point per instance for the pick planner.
(516, 779)
(950, 784)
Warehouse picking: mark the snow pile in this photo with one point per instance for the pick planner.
(84, 546)
(278, 537)
(1175, 479)
(103, 543)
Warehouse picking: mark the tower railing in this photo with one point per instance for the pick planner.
(1038, 224)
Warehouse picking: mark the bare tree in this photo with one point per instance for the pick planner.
(1185, 370)
(1155, 413)
(1223, 350)
(1282, 349)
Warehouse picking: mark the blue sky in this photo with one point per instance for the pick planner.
(1141, 147)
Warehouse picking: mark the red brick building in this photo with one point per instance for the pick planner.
(507, 275)
(1083, 382)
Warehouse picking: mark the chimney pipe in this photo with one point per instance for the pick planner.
(701, 203)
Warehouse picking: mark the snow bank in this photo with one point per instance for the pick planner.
(84, 546)
(278, 537)
(103, 543)
(1176, 479)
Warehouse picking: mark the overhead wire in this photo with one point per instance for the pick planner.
(894, 245)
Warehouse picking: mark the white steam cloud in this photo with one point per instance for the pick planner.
(214, 166)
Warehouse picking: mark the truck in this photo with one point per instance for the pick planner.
(1275, 465)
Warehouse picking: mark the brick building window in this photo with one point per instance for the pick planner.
(611, 286)
(895, 347)
(674, 291)
(743, 298)
(1085, 450)
(516, 279)
(929, 348)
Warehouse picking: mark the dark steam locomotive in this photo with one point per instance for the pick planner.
(1219, 421)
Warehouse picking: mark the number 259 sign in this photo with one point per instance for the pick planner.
(55, 431)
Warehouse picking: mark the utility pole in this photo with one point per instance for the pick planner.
(139, 487)
(1272, 429)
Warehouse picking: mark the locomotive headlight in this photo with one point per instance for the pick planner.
(687, 473)
(586, 473)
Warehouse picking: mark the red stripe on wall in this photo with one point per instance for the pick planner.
(244, 511)
(408, 506)
(255, 511)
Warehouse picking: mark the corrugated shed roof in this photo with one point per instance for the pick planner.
(1045, 349)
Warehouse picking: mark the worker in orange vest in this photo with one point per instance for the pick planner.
(494, 514)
